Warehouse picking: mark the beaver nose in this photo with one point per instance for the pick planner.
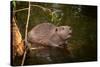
(61, 46)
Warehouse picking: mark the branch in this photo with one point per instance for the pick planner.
(26, 35)
(42, 8)
(33, 6)
(36, 48)
(20, 9)
(27, 22)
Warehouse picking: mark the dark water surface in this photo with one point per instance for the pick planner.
(82, 19)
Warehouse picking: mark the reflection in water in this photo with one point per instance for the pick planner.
(82, 19)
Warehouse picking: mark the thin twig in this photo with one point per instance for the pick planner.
(33, 6)
(26, 34)
(42, 7)
(39, 6)
(37, 48)
(20, 9)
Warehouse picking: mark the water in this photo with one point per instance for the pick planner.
(82, 19)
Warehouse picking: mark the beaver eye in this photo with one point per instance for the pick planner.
(56, 29)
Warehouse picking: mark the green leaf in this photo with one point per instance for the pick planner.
(14, 3)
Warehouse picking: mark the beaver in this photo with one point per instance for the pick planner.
(49, 41)
(48, 34)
